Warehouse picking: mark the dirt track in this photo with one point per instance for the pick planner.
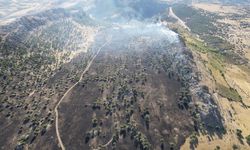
(67, 92)
(182, 23)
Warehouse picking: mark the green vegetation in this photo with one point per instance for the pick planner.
(239, 135)
(94, 122)
(146, 117)
(193, 140)
(92, 134)
(139, 139)
(236, 147)
(97, 105)
(204, 24)
(24, 139)
(172, 146)
(248, 139)
(199, 22)
(123, 130)
(217, 148)
(195, 44)
(32, 73)
(216, 61)
(184, 98)
(162, 143)
(229, 93)
(142, 141)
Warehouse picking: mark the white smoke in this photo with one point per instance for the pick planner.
(118, 14)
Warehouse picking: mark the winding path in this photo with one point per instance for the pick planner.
(67, 92)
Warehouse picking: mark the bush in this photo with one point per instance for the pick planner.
(94, 122)
(236, 147)
(97, 105)
(193, 140)
(162, 143)
(217, 148)
(172, 146)
(239, 134)
(146, 117)
(248, 139)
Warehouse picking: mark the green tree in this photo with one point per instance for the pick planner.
(248, 139)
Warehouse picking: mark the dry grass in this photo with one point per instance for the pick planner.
(240, 80)
(215, 72)
(235, 34)
(238, 120)
(217, 8)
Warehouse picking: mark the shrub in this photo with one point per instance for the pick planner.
(235, 147)
(94, 122)
(217, 148)
(239, 134)
(193, 140)
(248, 139)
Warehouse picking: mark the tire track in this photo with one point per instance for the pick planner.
(67, 92)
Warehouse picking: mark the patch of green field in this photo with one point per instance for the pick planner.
(229, 93)
(203, 23)
(217, 62)
(215, 59)
(199, 22)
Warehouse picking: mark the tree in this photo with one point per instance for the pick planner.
(172, 146)
(217, 148)
(248, 139)
(239, 135)
(94, 122)
(193, 140)
(235, 147)
(123, 130)
(162, 143)
(87, 138)
(146, 116)
(97, 105)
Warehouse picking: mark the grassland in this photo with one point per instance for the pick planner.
(228, 80)
(205, 24)
(217, 67)
(214, 61)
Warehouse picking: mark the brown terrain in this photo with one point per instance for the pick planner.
(233, 25)
(151, 76)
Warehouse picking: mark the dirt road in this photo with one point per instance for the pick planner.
(181, 22)
(67, 92)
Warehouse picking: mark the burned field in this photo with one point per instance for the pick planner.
(131, 98)
(140, 92)
(101, 83)
(30, 120)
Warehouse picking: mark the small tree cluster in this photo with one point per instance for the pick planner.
(146, 117)
(123, 130)
(184, 99)
(239, 135)
(141, 140)
(92, 133)
(94, 122)
(248, 139)
(97, 105)
(193, 140)
(128, 114)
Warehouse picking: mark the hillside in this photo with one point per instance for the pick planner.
(116, 74)
(221, 55)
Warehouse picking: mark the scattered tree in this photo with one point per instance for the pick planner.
(248, 139)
